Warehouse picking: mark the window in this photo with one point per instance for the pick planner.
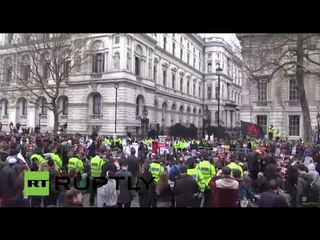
(43, 107)
(262, 94)
(116, 40)
(137, 66)
(181, 53)
(8, 74)
(194, 50)
(173, 80)
(164, 77)
(164, 43)
(181, 84)
(10, 38)
(188, 45)
(155, 71)
(96, 108)
(155, 35)
(262, 121)
(139, 105)
(65, 106)
(67, 64)
(26, 72)
(6, 103)
(98, 63)
(188, 87)
(24, 107)
(181, 40)
(209, 91)
(27, 37)
(128, 41)
(173, 48)
(293, 90)
(218, 55)
(294, 125)
(194, 62)
(173, 35)
(78, 64)
(188, 58)
(194, 89)
(199, 91)
(209, 67)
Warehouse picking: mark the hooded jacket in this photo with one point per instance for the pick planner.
(313, 173)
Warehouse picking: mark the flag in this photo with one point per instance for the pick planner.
(252, 130)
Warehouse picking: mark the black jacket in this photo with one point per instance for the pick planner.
(271, 199)
(133, 165)
(125, 195)
(184, 189)
(109, 166)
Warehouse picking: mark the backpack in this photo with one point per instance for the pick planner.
(175, 175)
(311, 194)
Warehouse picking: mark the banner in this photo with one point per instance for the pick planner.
(252, 130)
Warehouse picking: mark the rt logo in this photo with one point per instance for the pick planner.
(36, 183)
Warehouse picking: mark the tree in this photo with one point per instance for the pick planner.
(265, 55)
(41, 66)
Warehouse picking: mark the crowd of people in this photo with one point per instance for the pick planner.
(192, 173)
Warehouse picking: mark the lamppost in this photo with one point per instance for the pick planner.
(318, 121)
(206, 119)
(144, 120)
(219, 71)
(116, 86)
(39, 121)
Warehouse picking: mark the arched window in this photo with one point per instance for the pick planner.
(164, 114)
(181, 84)
(188, 87)
(138, 62)
(96, 104)
(139, 105)
(173, 80)
(164, 78)
(98, 58)
(24, 107)
(78, 64)
(209, 91)
(6, 105)
(7, 70)
(180, 114)
(43, 108)
(209, 67)
(194, 89)
(65, 106)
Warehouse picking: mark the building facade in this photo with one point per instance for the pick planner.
(172, 76)
(276, 101)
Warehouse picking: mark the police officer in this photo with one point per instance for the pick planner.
(208, 171)
(233, 165)
(155, 168)
(271, 131)
(197, 175)
(96, 164)
(278, 135)
(75, 163)
(56, 158)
